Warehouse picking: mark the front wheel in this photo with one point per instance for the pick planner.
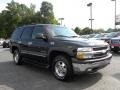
(62, 68)
(17, 58)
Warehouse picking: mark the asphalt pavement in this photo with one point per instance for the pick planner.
(29, 77)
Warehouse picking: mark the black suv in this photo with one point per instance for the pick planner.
(58, 48)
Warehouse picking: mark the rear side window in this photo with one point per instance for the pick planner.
(38, 29)
(27, 33)
(17, 33)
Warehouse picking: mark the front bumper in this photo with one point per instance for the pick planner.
(90, 65)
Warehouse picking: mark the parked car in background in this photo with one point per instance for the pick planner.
(1, 41)
(115, 44)
(108, 37)
(84, 36)
(6, 43)
(99, 36)
(91, 35)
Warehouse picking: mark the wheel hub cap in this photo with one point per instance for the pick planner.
(16, 57)
(61, 68)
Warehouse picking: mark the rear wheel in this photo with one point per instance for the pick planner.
(62, 68)
(4, 46)
(17, 58)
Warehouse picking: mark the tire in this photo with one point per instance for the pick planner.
(4, 46)
(17, 58)
(62, 68)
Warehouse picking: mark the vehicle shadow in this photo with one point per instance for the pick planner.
(117, 76)
(116, 54)
(29, 77)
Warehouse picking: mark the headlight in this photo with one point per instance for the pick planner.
(83, 53)
(85, 49)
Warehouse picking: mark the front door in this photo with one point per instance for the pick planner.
(39, 47)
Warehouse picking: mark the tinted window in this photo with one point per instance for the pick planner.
(17, 33)
(27, 33)
(37, 30)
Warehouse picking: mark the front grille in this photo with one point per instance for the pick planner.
(100, 51)
(101, 54)
(99, 48)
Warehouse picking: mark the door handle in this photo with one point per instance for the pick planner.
(29, 43)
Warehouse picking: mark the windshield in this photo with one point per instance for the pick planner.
(58, 31)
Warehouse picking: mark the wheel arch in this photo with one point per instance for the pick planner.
(54, 53)
(14, 48)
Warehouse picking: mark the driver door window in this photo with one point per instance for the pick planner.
(36, 31)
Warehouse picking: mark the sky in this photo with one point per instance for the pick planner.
(76, 12)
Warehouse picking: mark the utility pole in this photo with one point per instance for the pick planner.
(115, 14)
(91, 19)
(61, 19)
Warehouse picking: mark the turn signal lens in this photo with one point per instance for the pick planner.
(80, 55)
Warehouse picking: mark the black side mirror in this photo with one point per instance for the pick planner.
(40, 36)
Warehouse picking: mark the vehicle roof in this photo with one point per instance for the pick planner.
(41, 25)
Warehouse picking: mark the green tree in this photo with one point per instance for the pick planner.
(98, 30)
(86, 30)
(109, 30)
(77, 30)
(47, 13)
(19, 14)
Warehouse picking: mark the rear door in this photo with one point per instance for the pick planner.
(24, 41)
(14, 40)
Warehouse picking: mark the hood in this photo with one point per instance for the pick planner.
(82, 42)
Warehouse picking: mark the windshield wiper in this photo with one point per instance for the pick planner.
(74, 36)
(60, 36)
